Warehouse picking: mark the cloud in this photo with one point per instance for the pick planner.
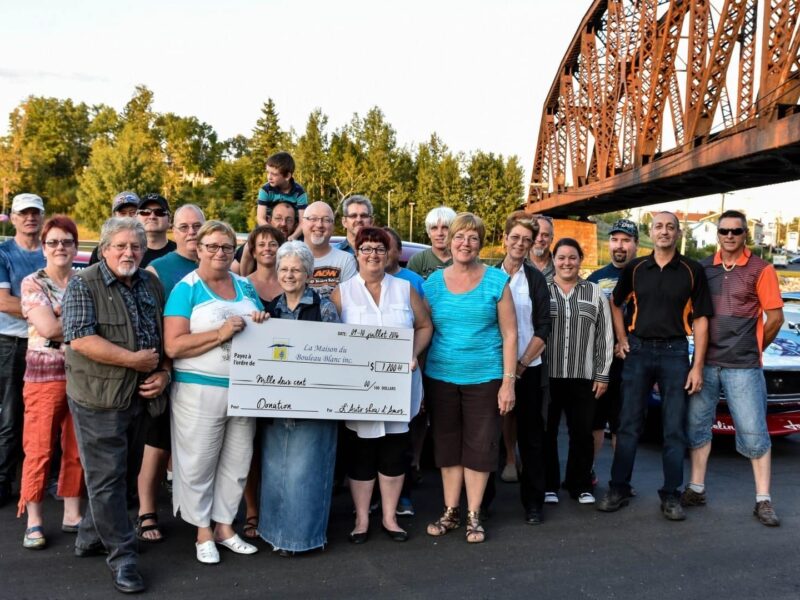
(20, 75)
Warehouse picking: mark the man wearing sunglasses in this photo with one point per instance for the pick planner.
(738, 334)
(153, 213)
(356, 214)
(19, 257)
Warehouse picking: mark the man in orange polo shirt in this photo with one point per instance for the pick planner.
(743, 289)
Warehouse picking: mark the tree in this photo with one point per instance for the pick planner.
(132, 162)
(267, 139)
(47, 145)
(494, 189)
(311, 155)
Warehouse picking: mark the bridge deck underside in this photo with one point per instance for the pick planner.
(757, 156)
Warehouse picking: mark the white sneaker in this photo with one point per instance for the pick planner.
(550, 498)
(207, 552)
(586, 498)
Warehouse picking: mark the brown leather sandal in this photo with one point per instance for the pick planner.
(250, 529)
(475, 532)
(450, 519)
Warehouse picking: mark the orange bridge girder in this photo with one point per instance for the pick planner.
(628, 61)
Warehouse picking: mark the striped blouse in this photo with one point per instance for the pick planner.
(581, 343)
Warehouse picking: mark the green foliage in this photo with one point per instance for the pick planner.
(132, 162)
(78, 157)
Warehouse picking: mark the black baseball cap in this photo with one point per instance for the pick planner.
(158, 199)
(625, 226)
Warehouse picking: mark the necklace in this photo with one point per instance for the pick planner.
(728, 269)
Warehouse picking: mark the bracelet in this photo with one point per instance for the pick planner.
(510, 375)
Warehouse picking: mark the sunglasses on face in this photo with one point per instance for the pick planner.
(146, 212)
(735, 231)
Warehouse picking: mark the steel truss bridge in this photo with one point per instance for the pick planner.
(660, 100)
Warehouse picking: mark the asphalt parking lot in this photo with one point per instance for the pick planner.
(720, 551)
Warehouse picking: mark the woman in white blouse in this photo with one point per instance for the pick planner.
(377, 449)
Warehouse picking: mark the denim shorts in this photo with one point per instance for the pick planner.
(746, 395)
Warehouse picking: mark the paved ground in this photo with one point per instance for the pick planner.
(720, 551)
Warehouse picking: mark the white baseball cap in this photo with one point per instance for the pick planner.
(23, 201)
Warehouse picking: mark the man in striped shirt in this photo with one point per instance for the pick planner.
(668, 297)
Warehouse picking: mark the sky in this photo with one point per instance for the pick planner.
(475, 73)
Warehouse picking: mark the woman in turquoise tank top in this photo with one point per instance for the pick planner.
(469, 372)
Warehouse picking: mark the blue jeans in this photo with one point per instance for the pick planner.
(107, 441)
(297, 460)
(12, 371)
(665, 362)
(746, 395)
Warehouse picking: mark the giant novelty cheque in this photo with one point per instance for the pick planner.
(309, 370)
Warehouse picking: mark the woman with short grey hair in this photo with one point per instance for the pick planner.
(298, 249)
(297, 455)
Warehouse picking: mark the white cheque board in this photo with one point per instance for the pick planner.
(308, 370)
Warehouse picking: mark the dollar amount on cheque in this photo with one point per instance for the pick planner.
(308, 370)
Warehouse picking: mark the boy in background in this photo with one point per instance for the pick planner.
(281, 187)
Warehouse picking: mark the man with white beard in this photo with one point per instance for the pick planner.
(116, 370)
(331, 265)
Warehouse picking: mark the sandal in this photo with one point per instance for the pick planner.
(34, 543)
(250, 529)
(141, 529)
(475, 532)
(450, 519)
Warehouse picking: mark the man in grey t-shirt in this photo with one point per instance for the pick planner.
(331, 265)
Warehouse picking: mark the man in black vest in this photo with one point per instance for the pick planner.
(116, 369)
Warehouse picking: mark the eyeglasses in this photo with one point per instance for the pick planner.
(281, 220)
(363, 216)
(184, 227)
(56, 243)
(214, 248)
(123, 247)
(367, 250)
(516, 239)
(460, 238)
(723, 231)
(158, 212)
(315, 220)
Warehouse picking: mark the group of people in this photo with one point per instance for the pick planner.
(127, 364)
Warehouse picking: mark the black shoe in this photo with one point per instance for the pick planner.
(766, 514)
(96, 549)
(358, 538)
(286, 553)
(128, 580)
(533, 516)
(613, 501)
(397, 536)
(671, 508)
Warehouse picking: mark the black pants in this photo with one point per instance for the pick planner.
(575, 398)
(12, 371)
(530, 437)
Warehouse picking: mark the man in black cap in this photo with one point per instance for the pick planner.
(623, 244)
(154, 214)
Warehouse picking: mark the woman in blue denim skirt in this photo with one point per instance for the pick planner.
(297, 455)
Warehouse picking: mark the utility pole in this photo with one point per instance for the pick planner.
(411, 223)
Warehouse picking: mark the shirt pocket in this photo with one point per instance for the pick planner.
(587, 310)
(113, 326)
(401, 315)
